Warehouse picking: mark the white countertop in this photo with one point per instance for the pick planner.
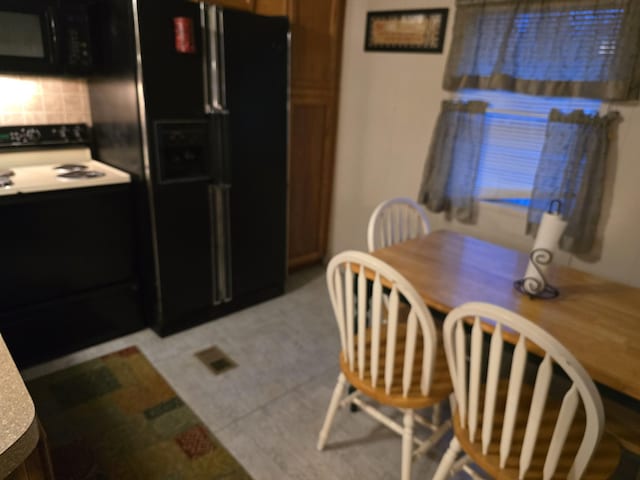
(18, 425)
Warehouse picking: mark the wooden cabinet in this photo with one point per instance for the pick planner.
(271, 7)
(316, 43)
(37, 466)
(237, 4)
(262, 7)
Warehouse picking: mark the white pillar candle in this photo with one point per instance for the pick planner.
(551, 228)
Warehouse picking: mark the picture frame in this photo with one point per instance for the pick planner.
(420, 31)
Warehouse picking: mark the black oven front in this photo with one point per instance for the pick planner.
(44, 37)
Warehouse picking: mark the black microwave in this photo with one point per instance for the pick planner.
(45, 37)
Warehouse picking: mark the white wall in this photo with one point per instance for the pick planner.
(389, 103)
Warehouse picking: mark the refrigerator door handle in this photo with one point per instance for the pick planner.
(214, 213)
(214, 77)
(225, 157)
(206, 87)
(220, 244)
(227, 290)
(219, 146)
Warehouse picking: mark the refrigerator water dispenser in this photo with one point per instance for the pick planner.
(182, 148)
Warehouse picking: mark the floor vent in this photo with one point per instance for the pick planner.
(216, 360)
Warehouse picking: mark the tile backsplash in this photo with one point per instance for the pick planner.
(32, 100)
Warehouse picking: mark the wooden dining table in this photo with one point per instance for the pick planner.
(597, 319)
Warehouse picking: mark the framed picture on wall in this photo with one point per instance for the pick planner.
(419, 31)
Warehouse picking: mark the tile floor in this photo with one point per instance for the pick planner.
(268, 410)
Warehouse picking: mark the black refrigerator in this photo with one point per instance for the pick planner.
(192, 100)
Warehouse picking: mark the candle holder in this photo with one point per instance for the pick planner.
(538, 287)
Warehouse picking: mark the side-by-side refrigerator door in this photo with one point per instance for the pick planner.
(256, 93)
(246, 102)
(218, 123)
(178, 163)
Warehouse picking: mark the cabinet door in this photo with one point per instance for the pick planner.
(248, 5)
(316, 30)
(311, 165)
(271, 7)
(37, 466)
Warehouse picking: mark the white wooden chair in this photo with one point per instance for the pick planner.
(394, 221)
(393, 362)
(508, 427)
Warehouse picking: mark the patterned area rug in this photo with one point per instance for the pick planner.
(115, 417)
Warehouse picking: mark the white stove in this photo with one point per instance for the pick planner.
(51, 167)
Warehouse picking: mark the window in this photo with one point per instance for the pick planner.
(513, 139)
(552, 55)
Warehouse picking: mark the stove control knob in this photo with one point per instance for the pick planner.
(21, 135)
(77, 132)
(33, 135)
(62, 133)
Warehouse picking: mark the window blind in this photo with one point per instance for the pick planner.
(513, 139)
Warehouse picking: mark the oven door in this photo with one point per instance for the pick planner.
(27, 38)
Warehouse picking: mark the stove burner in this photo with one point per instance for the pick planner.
(7, 173)
(5, 182)
(70, 167)
(79, 174)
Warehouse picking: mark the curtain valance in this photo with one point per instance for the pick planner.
(570, 48)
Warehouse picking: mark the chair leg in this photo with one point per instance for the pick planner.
(333, 407)
(435, 414)
(407, 445)
(353, 407)
(447, 460)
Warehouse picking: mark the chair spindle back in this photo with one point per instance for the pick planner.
(476, 383)
(394, 221)
(370, 341)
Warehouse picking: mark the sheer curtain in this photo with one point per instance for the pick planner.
(572, 169)
(566, 48)
(450, 172)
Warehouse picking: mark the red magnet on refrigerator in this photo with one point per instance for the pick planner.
(183, 35)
